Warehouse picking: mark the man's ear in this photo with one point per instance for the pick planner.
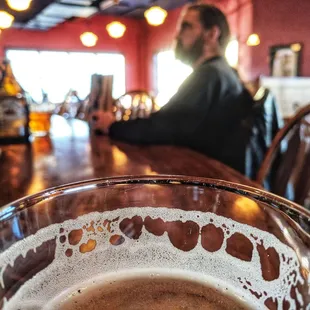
(213, 34)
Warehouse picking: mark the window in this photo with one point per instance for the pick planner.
(170, 73)
(232, 53)
(55, 73)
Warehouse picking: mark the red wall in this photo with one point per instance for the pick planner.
(280, 22)
(240, 17)
(67, 37)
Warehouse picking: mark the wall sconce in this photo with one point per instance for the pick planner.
(89, 39)
(155, 15)
(296, 47)
(116, 29)
(19, 5)
(253, 40)
(6, 20)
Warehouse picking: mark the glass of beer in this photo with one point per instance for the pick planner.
(40, 118)
(160, 242)
(40, 122)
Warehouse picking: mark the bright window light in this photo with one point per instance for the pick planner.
(170, 74)
(232, 53)
(55, 73)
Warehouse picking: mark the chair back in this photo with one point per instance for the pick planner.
(290, 175)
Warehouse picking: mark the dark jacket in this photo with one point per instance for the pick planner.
(266, 121)
(206, 114)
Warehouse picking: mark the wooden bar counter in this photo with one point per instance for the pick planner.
(69, 154)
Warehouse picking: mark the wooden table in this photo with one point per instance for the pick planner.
(70, 155)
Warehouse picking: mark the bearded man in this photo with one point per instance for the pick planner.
(208, 111)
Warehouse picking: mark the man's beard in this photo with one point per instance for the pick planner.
(191, 55)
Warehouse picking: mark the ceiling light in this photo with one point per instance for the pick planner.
(155, 15)
(253, 40)
(6, 20)
(19, 5)
(89, 39)
(116, 29)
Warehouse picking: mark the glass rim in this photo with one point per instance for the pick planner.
(258, 194)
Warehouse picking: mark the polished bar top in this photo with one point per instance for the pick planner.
(71, 155)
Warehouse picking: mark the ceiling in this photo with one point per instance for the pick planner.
(46, 14)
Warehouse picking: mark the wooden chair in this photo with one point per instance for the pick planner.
(134, 104)
(290, 175)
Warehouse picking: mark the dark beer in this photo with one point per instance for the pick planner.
(153, 291)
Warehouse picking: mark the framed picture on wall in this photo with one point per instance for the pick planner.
(285, 60)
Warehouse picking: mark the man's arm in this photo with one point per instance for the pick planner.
(179, 118)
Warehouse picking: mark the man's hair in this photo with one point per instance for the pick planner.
(212, 16)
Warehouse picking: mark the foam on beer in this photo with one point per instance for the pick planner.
(102, 247)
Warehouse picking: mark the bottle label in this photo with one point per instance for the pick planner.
(13, 118)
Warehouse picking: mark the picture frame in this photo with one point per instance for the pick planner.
(285, 60)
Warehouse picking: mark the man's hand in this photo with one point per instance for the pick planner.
(102, 120)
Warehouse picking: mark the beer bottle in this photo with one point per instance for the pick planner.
(14, 109)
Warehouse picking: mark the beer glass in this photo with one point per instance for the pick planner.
(149, 241)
